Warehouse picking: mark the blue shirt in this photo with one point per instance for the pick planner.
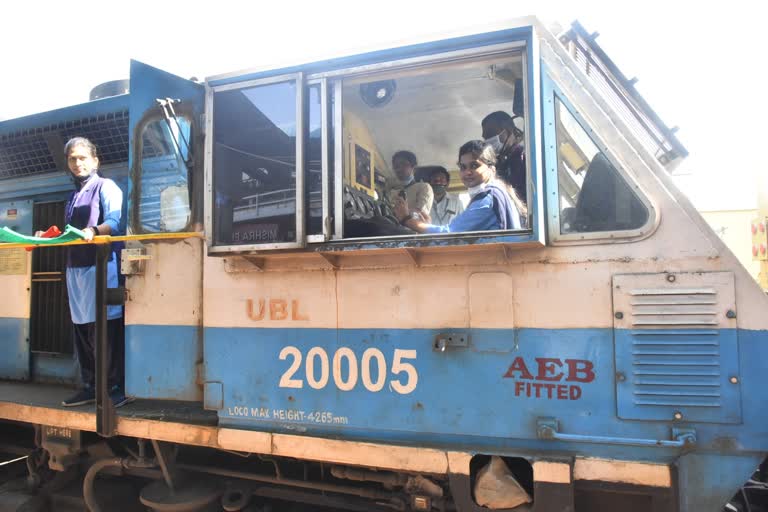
(81, 282)
(479, 216)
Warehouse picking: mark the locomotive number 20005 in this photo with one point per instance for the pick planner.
(371, 369)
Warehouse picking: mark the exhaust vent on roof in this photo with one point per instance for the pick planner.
(111, 88)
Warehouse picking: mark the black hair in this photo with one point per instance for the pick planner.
(504, 120)
(405, 155)
(480, 150)
(499, 117)
(438, 169)
(80, 141)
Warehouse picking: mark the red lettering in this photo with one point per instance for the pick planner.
(580, 370)
(575, 393)
(518, 365)
(251, 314)
(547, 369)
(550, 369)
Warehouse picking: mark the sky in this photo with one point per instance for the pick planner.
(699, 65)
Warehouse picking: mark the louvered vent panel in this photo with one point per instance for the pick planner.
(30, 152)
(50, 325)
(676, 347)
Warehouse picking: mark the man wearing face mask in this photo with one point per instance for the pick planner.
(418, 196)
(446, 206)
(500, 132)
(95, 207)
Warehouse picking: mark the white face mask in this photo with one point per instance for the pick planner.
(473, 191)
(407, 181)
(495, 142)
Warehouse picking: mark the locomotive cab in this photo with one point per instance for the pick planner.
(595, 354)
(307, 162)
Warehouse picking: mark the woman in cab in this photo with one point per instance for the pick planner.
(490, 207)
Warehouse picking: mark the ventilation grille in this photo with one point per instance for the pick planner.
(31, 152)
(679, 365)
(674, 307)
(622, 95)
(50, 322)
(675, 350)
(638, 122)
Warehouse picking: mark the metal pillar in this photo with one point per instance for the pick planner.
(106, 421)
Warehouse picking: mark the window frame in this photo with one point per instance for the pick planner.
(136, 182)
(551, 91)
(478, 54)
(476, 47)
(324, 158)
(301, 239)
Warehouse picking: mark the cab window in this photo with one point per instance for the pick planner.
(593, 196)
(299, 159)
(398, 127)
(255, 152)
(164, 186)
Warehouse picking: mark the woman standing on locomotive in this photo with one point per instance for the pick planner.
(490, 207)
(95, 207)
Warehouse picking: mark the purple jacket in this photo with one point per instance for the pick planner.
(85, 209)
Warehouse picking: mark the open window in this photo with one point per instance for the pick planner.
(295, 160)
(166, 175)
(419, 117)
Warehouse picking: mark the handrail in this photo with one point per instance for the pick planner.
(106, 419)
(108, 239)
(547, 428)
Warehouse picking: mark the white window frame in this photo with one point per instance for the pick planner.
(298, 79)
(549, 106)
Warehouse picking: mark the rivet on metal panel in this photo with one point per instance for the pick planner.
(678, 415)
(734, 380)
(619, 315)
(620, 377)
(730, 313)
(671, 278)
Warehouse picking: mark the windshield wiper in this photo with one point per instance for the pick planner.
(172, 120)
